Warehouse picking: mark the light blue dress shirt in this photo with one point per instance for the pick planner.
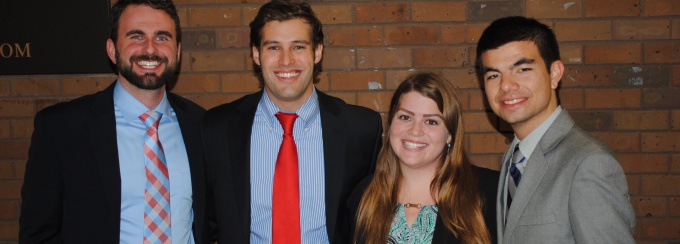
(130, 135)
(266, 139)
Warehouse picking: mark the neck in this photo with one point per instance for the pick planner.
(150, 98)
(415, 186)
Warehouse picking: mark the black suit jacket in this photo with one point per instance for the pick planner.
(351, 141)
(487, 181)
(71, 191)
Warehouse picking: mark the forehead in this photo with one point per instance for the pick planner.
(288, 30)
(146, 19)
(417, 103)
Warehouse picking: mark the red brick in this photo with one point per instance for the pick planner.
(675, 120)
(354, 36)
(644, 163)
(214, 16)
(210, 101)
(649, 207)
(381, 12)
(660, 228)
(463, 99)
(596, 30)
(627, 53)
(238, 37)
(613, 98)
(35, 87)
(491, 10)
(633, 184)
(84, 85)
(16, 107)
(394, 77)
(480, 122)
(660, 98)
(613, 8)
(666, 52)
(240, 82)
(378, 101)
(488, 143)
(4, 129)
(348, 97)
(19, 168)
(10, 189)
(10, 210)
(462, 33)
(571, 98)
(183, 2)
(571, 54)
(441, 57)
(4, 86)
(22, 128)
(620, 141)
(478, 101)
(661, 185)
(577, 76)
(487, 161)
(197, 83)
(357, 80)
(661, 142)
(438, 11)
(642, 76)
(40, 104)
(675, 31)
(462, 78)
(662, 7)
(641, 120)
(593, 120)
(641, 29)
(338, 58)
(249, 13)
(404, 35)
(182, 13)
(9, 230)
(676, 74)
(333, 14)
(554, 9)
(323, 81)
(218, 61)
(384, 58)
(6, 171)
(674, 207)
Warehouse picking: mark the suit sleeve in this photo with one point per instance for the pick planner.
(41, 194)
(599, 205)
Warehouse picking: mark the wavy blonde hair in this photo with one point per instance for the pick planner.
(454, 182)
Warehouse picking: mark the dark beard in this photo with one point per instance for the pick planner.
(148, 81)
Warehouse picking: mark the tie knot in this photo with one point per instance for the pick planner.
(287, 121)
(151, 118)
(517, 156)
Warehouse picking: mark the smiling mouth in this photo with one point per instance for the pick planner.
(288, 74)
(514, 101)
(148, 64)
(414, 145)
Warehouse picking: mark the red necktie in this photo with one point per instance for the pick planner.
(286, 195)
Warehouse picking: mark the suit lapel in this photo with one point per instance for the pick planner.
(536, 169)
(334, 132)
(103, 138)
(501, 204)
(240, 130)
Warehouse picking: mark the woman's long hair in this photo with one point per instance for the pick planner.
(454, 182)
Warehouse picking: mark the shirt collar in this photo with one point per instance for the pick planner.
(308, 111)
(131, 108)
(531, 141)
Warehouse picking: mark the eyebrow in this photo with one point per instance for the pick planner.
(139, 32)
(275, 41)
(517, 63)
(424, 115)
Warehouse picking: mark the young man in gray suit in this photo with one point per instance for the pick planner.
(558, 184)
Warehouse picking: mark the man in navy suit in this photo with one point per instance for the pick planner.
(86, 178)
(337, 143)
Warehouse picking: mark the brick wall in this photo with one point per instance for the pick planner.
(621, 82)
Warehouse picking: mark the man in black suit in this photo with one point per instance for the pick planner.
(336, 143)
(87, 176)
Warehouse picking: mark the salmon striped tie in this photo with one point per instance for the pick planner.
(157, 189)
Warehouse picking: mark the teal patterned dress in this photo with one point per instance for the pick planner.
(421, 231)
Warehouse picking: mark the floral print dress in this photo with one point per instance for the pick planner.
(421, 231)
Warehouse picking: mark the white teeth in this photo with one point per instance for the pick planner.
(148, 64)
(287, 75)
(413, 145)
(514, 101)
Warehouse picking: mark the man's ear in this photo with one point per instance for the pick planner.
(179, 52)
(556, 72)
(256, 55)
(318, 53)
(111, 50)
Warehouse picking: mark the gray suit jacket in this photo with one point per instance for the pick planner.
(572, 191)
